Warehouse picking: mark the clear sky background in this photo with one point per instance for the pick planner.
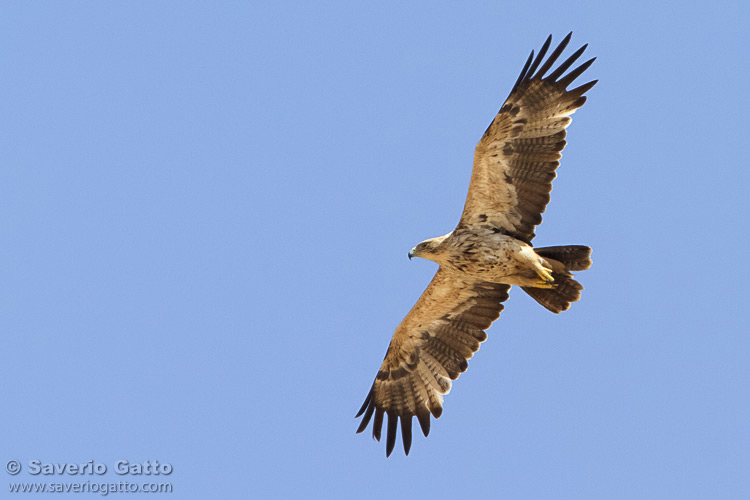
(205, 211)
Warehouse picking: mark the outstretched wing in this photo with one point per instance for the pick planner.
(516, 159)
(430, 348)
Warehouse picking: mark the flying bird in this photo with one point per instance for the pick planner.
(489, 250)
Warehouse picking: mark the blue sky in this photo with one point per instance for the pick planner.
(206, 208)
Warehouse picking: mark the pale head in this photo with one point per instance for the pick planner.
(428, 249)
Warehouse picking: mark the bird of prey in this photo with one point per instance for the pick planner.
(489, 250)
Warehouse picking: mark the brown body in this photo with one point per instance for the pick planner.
(483, 253)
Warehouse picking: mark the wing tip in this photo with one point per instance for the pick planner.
(406, 433)
(424, 421)
(365, 405)
(393, 418)
(390, 437)
(522, 75)
(377, 424)
(539, 57)
(532, 69)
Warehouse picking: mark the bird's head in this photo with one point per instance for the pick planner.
(428, 249)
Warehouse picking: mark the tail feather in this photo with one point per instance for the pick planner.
(558, 299)
(567, 290)
(574, 257)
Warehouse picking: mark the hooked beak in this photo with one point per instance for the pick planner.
(411, 252)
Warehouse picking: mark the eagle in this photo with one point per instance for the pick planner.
(489, 251)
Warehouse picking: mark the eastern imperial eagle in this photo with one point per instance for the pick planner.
(490, 250)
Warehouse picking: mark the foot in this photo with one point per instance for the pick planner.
(544, 284)
(545, 274)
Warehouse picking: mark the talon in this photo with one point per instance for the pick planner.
(544, 273)
(545, 284)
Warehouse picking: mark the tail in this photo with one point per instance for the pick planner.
(562, 260)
